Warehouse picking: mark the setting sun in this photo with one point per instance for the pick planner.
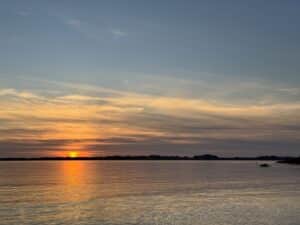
(73, 154)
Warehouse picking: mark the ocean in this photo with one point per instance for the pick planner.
(148, 193)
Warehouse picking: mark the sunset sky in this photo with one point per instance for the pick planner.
(149, 77)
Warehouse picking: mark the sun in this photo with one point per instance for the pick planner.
(73, 154)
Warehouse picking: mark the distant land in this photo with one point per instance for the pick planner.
(293, 161)
(281, 159)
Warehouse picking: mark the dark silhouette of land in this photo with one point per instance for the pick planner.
(206, 157)
(264, 165)
(294, 161)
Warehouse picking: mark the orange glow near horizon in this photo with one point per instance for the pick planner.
(73, 154)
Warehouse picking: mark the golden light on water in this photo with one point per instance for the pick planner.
(73, 172)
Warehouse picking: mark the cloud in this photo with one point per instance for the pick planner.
(94, 31)
(16, 93)
(81, 98)
(96, 120)
(118, 33)
(84, 28)
(75, 23)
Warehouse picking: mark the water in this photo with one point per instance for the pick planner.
(148, 193)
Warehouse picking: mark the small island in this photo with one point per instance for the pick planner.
(264, 165)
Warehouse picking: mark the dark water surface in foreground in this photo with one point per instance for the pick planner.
(149, 193)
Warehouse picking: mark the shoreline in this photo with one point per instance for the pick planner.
(281, 159)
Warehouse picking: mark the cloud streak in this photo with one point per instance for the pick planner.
(102, 119)
(92, 31)
(118, 33)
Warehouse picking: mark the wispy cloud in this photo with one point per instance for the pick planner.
(118, 33)
(94, 31)
(19, 94)
(75, 23)
(109, 118)
(84, 28)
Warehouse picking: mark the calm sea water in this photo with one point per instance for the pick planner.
(148, 193)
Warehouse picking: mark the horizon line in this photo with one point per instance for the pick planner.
(150, 157)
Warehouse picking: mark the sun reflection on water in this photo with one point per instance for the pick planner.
(74, 172)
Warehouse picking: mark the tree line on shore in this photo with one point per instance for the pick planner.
(282, 159)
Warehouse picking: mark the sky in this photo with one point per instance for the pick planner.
(142, 77)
